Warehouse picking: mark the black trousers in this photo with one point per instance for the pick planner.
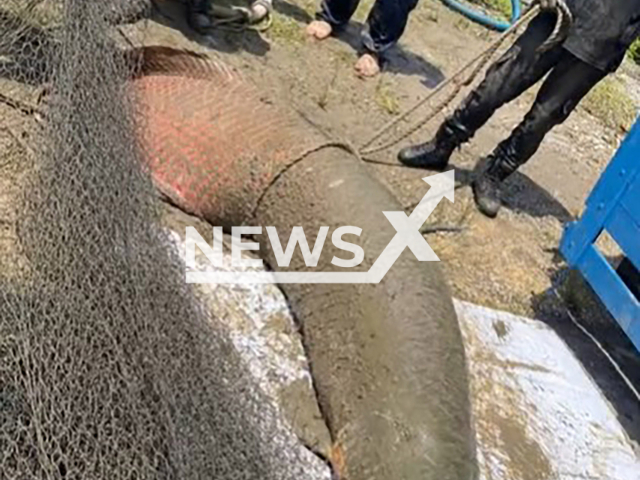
(385, 24)
(569, 80)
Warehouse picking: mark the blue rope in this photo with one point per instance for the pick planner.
(483, 19)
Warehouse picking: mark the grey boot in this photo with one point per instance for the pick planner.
(435, 154)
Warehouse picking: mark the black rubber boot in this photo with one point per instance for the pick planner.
(434, 155)
(198, 16)
(486, 187)
(486, 191)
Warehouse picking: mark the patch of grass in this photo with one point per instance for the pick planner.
(344, 57)
(501, 7)
(634, 51)
(581, 299)
(386, 99)
(286, 30)
(363, 10)
(323, 99)
(610, 102)
(309, 6)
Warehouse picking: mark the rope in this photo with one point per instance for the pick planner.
(565, 19)
(557, 36)
(487, 54)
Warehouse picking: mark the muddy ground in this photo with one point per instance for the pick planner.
(510, 263)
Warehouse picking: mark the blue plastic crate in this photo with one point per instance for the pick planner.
(614, 207)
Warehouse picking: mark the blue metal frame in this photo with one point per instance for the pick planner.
(613, 206)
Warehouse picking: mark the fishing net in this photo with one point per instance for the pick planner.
(109, 366)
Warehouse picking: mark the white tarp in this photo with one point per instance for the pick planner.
(538, 415)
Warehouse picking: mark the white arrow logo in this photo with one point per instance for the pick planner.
(407, 236)
(408, 227)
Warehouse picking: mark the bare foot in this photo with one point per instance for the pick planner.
(319, 29)
(367, 66)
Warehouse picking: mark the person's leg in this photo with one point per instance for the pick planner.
(385, 25)
(333, 14)
(518, 69)
(561, 92)
(198, 15)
